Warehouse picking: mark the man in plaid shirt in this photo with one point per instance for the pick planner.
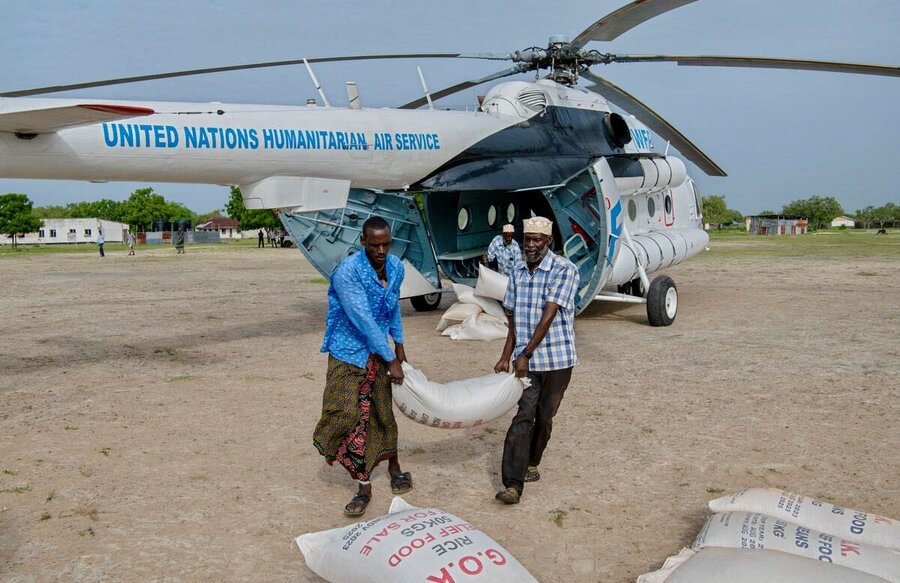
(541, 340)
(504, 250)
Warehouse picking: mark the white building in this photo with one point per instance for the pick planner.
(75, 231)
(227, 227)
(842, 221)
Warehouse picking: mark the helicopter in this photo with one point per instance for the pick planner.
(622, 209)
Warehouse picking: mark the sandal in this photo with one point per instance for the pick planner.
(357, 506)
(532, 475)
(508, 496)
(401, 483)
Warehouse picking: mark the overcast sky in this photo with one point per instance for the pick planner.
(780, 135)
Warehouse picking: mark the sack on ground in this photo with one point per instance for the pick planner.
(466, 295)
(463, 403)
(852, 525)
(491, 284)
(450, 330)
(718, 565)
(479, 329)
(460, 311)
(493, 319)
(443, 324)
(409, 545)
(750, 530)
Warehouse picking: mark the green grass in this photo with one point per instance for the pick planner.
(6, 250)
(734, 243)
(825, 243)
(181, 378)
(558, 516)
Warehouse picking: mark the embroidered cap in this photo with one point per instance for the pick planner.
(507, 228)
(540, 225)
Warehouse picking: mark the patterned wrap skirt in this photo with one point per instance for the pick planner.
(357, 428)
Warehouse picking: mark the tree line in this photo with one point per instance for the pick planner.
(818, 210)
(138, 211)
(144, 206)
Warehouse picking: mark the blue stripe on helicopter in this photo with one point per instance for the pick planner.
(615, 230)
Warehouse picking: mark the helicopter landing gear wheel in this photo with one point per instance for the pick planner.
(428, 302)
(662, 301)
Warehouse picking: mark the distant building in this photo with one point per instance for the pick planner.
(776, 225)
(842, 221)
(226, 227)
(76, 231)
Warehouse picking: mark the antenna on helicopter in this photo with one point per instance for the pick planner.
(425, 87)
(316, 83)
(352, 94)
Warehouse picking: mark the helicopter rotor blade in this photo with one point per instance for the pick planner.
(262, 65)
(760, 63)
(624, 19)
(653, 121)
(464, 85)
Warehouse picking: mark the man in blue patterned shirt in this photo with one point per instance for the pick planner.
(541, 342)
(504, 250)
(357, 428)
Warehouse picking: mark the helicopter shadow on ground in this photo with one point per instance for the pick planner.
(184, 346)
(469, 445)
(599, 310)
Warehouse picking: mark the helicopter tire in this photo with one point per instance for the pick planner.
(662, 301)
(428, 302)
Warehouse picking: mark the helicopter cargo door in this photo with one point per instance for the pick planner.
(588, 214)
(326, 237)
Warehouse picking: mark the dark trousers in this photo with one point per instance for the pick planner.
(101, 250)
(530, 429)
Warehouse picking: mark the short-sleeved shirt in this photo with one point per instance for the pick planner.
(506, 255)
(362, 311)
(554, 280)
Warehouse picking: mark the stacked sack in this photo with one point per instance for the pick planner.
(764, 534)
(409, 545)
(477, 314)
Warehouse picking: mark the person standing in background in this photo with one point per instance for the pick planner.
(131, 243)
(504, 250)
(178, 239)
(101, 239)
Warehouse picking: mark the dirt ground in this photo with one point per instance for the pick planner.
(156, 415)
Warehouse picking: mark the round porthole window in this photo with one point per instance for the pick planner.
(510, 212)
(463, 219)
(651, 206)
(492, 215)
(668, 204)
(632, 210)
